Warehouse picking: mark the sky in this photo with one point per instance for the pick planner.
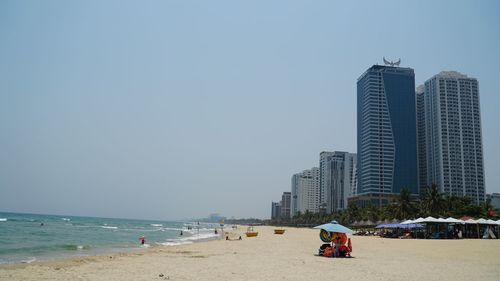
(178, 109)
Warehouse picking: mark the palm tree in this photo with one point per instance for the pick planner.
(371, 212)
(403, 206)
(433, 202)
(353, 213)
(456, 206)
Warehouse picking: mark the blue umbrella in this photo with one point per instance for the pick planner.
(334, 226)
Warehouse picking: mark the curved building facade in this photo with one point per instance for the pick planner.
(387, 134)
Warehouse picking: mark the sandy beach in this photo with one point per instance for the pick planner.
(280, 257)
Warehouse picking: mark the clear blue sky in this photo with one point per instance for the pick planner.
(176, 109)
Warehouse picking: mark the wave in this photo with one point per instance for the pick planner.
(174, 243)
(28, 260)
(157, 224)
(71, 247)
(191, 238)
(3, 219)
(109, 227)
(66, 219)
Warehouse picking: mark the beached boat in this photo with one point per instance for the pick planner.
(250, 232)
(279, 231)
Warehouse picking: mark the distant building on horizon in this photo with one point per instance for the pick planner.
(495, 200)
(215, 217)
(275, 210)
(295, 190)
(323, 158)
(387, 135)
(339, 178)
(450, 137)
(286, 204)
(308, 192)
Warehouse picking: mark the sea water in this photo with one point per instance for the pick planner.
(25, 238)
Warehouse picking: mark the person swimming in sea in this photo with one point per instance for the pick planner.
(181, 233)
(143, 240)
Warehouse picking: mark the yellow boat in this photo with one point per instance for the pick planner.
(279, 231)
(250, 232)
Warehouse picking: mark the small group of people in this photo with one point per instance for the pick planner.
(337, 249)
(227, 238)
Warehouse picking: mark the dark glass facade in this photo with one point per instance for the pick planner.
(387, 135)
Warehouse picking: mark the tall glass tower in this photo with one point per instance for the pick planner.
(387, 134)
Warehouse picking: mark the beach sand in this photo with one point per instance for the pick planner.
(281, 257)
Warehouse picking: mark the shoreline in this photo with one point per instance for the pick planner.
(104, 253)
(290, 256)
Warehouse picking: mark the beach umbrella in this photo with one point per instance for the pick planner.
(334, 226)
(369, 223)
(490, 221)
(407, 222)
(482, 221)
(429, 219)
(452, 220)
(419, 220)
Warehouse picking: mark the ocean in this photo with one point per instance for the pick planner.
(25, 238)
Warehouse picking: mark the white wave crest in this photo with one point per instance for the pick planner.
(66, 219)
(28, 260)
(3, 219)
(203, 235)
(109, 227)
(175, 243)
(157, 224)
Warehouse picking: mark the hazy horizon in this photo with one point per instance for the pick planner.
(173, 109)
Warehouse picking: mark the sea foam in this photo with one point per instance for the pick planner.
(3, 219)
(109, 227)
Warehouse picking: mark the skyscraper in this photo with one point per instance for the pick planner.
(285, 204)
(275, 210)
(295, 190)
(451, 137)
(324, 156)
(308, 191)
(340, 179)
(387, 141)
(421, 140)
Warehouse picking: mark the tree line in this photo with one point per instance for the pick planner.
(431, 203)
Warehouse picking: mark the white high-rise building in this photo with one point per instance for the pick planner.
(323, 159)
(295, 190)
(339, 176)
(308, 193)
(451, 137)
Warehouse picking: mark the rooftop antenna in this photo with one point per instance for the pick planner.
(392, 63)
